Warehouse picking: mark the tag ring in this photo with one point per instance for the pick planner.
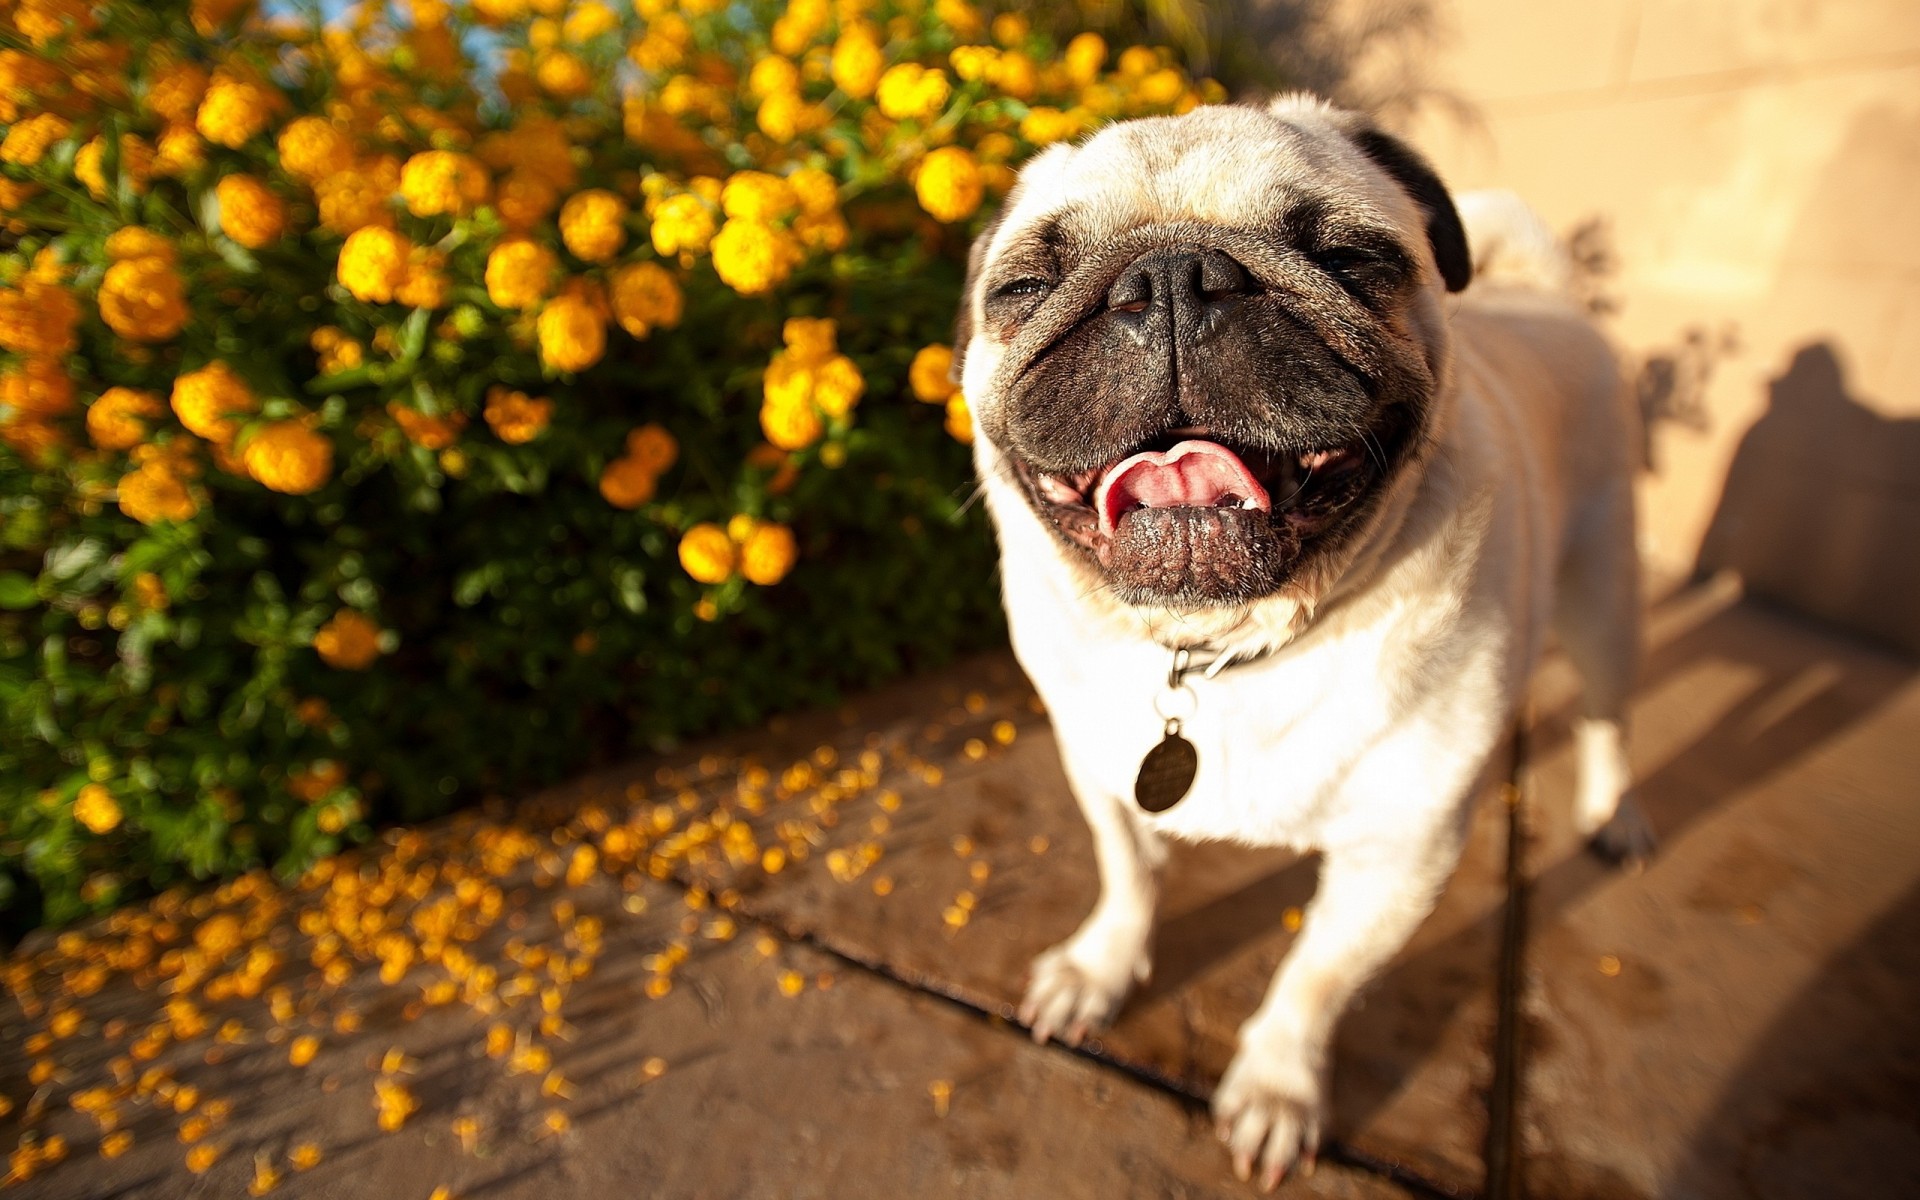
(1177, 703)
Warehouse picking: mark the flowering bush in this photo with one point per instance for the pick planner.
(422, 405)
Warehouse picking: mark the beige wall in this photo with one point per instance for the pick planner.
(1753, 168)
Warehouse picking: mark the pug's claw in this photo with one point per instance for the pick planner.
(1071, 993)
(1270, 1105)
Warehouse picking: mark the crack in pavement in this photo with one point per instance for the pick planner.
(1001, 1016)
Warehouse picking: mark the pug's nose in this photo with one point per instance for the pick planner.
(1177, 291)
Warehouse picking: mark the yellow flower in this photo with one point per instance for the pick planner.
(441, 181)
(645, 297)
(1010, 29)
(312, 148)
(38, 318)
(357, 197)
(144, 299)
(174, 91)
(573, 333)
(837, 386)
(349, 640)
(429, 433)
(627, 483)
(236, 107)
(249, 213)
(911, 92)
(810, 340)
(563, 75)
(796, 28)
(929, 374)
(207, 401)
(537, 144)
(373, 263)
(153, 493)
(288, 457)
(180, 153)
(520, 273)
(36, 390)
(792, 426)
(1016, 75)
(1084, 57)
(133, 241)
(1162, 87)
(28, 141)
(948, 184)
(817, 191)
(682, 223)
(423, 285)
(589, 21)
(150, 591)
(653, 448)
(752, 257)
(118, 419)
(857, 62)
(96, 808)
(773, 76)
(767, 553)
(1043, 125)
(591, 224)
(974, 63)
(785, 116)
(707, 554)
(959, 420)
(758, 196)
(963, 18)
(515, 417)
(523, 200)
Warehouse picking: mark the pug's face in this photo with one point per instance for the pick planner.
(1202, 347)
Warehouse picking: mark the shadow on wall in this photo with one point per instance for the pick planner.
(1819, 509)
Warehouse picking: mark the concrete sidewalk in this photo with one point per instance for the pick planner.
(781, 965)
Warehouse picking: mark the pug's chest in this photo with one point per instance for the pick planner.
(1270, 743)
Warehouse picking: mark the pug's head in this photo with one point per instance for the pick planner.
(1202, 348)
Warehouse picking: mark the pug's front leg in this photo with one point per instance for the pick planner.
(1271, 1104)
(1079, 984)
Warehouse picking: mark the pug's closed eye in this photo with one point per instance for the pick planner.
(1364, 268)
(1015, 300)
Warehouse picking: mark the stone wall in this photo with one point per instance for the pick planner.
(1740, 180)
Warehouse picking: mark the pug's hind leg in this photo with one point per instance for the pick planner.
(1597, 617)
(1080, 984)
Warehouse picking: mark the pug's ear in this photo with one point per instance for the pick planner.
(1410, 171)
(963, 320)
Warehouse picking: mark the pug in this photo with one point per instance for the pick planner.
(1287, 503)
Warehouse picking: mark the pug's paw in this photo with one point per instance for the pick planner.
(1268, 1110)
(1627, 839)
(1079, 985)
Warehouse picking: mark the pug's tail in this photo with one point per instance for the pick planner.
(1511, 245)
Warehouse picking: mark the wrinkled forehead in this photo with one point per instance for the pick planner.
(1230, 166)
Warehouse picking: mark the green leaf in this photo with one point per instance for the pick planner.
(17, 591)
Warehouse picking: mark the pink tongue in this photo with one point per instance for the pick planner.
(1193, 474)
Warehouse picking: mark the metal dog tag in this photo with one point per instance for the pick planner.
(1166, 773)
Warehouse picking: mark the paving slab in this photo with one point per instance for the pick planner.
(993, 863)
(572, 998)
(1739, 1020)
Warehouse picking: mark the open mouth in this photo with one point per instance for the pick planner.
(1300, 493)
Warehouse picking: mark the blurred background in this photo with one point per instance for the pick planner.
(466, 466)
